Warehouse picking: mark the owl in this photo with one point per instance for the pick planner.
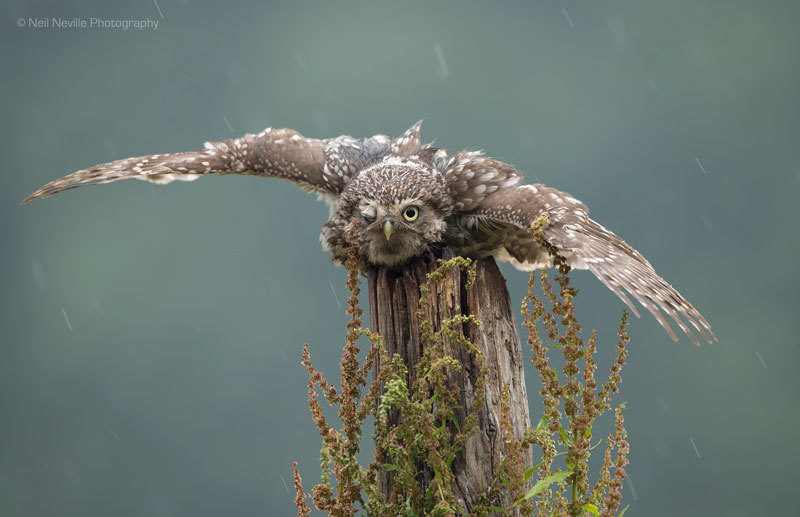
(401, 199)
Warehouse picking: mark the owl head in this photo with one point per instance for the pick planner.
(400, 204)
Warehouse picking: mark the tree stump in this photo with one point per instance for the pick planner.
(394, 302)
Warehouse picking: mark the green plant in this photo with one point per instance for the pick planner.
(573, 403)
(427, 437)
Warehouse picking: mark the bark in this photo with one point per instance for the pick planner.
(394, 301)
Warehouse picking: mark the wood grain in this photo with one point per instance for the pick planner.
(394, 302)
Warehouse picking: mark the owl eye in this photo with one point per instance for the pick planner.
(369, 213)
(411, 213)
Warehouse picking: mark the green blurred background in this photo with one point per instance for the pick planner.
(150, 336)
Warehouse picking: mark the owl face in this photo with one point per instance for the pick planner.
(401, 207)
(394, 232)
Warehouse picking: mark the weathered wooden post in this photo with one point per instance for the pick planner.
(394, 302)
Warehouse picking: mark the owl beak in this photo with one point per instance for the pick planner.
(387, 229)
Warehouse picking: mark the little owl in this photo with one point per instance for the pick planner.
(409, 198)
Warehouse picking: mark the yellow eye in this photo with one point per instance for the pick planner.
(411, 213)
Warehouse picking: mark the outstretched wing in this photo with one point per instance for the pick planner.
(319, 165)
(582, 241)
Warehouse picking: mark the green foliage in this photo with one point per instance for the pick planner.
(572, 405)
(422, 442)
(427, 437)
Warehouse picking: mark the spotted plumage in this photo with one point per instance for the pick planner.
(404, 199)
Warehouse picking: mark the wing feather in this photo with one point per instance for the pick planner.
(323, 166)
(588, 245)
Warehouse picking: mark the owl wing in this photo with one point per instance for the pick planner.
(582, 241)
(323, 166)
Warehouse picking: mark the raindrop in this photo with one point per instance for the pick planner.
(633, 488)
(566, 15)
(228, 124)
(159, 9)
(444, 71)
(335, 296)
(761, 359)
(69, 325)
(694, 446)
(700, 164)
